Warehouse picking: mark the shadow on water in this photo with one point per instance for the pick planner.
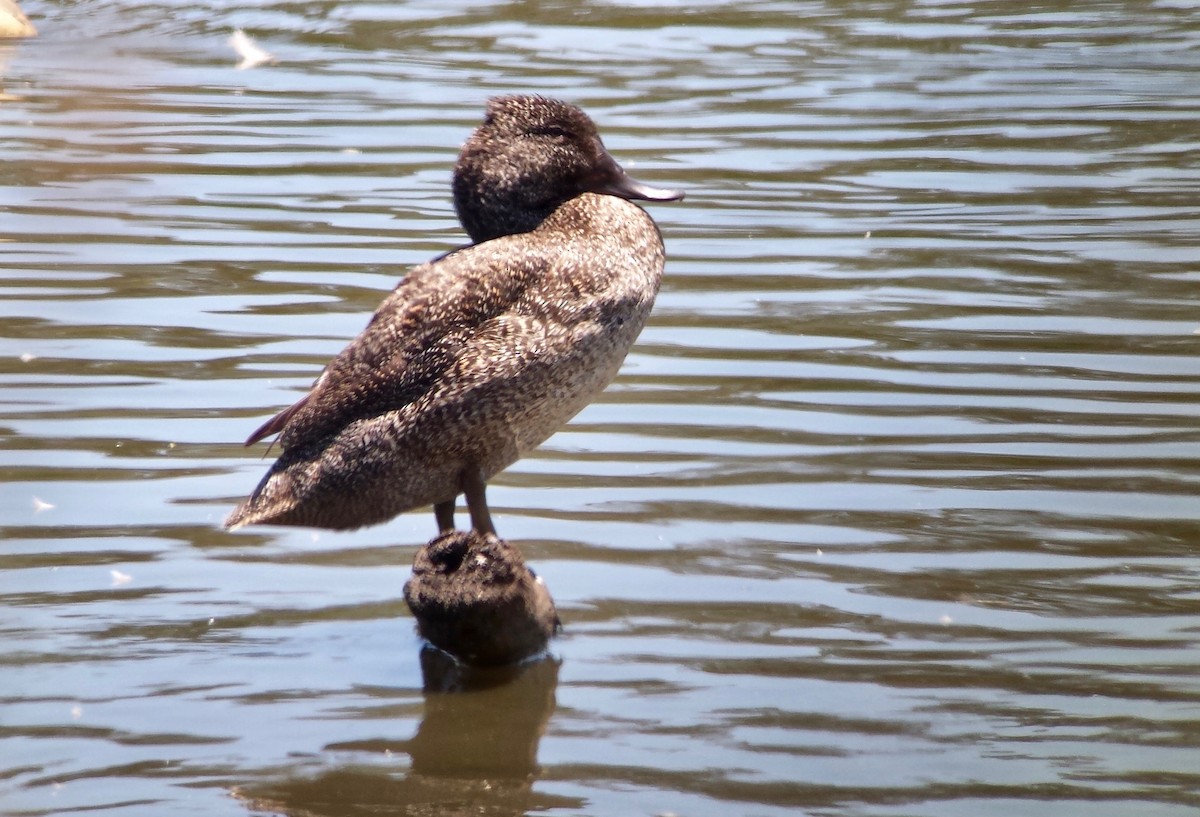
(475, 752)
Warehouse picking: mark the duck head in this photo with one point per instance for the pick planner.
(529, 156)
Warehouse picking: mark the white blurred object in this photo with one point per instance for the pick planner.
(13, 23)
(247, 49)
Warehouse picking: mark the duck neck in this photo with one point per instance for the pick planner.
(487, 212)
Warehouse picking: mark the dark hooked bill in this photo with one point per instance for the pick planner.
(616, 182)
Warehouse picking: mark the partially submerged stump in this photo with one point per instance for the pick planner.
(474, 597)
(13, 23)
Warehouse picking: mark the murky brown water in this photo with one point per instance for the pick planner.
(893, 510)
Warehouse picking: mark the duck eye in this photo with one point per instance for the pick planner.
(555, 132)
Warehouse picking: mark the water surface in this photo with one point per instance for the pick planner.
(892, 511)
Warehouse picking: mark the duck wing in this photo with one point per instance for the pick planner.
(414, 337)
(277, 423)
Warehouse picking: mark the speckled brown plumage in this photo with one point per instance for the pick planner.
(479, 356)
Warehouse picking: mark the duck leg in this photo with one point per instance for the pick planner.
(443, 512)
(474, 488)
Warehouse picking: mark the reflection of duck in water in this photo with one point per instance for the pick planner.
(475, 752)
(479, 356)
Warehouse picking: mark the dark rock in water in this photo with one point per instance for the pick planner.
(475, 598)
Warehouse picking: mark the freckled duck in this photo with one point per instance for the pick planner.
(477, 357)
